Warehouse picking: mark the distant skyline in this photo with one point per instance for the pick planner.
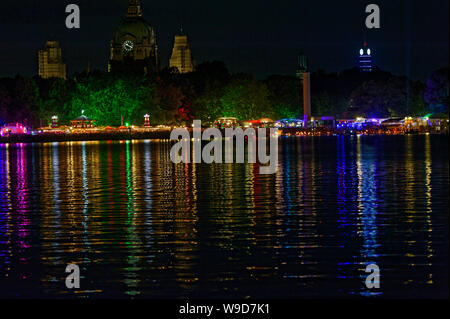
(259, 37)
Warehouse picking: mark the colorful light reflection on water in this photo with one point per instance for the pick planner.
(141, 226)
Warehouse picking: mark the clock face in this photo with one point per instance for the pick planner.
(128, 46)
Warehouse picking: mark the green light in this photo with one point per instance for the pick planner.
(126, 124)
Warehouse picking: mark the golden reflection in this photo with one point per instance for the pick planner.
(429, 211)
(410, 200)
(410, 203)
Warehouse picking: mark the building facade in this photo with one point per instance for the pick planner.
(51, 63)
(181, 57)
(133, 47)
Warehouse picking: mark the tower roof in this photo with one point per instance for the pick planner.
(302, 64)
(82, 118)
(181, 32)
(133, 24)
(134, 9)
(52, 44)
(138, 28)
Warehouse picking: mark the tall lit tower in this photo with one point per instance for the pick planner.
(365, 59)
(133, 48)
(304, 75)
(51, 63)
(181, 54)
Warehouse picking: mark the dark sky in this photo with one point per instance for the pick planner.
(260, 37)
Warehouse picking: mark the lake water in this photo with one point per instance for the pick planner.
(138, 225)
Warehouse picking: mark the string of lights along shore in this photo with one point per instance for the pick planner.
(133, 49)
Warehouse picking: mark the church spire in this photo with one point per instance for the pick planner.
(134, 9)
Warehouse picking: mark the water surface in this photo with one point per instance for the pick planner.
(139, 225)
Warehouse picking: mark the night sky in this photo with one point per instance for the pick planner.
(260, 37)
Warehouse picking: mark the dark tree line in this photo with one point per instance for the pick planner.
(211, 92)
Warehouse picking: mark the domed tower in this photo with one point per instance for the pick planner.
(133, 47)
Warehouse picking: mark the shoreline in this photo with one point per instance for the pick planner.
(165, 135)
(81, 137)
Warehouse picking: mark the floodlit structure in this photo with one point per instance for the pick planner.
(133, 48)
(54, 121)
(286, 123)
(147, 120)
(323, 121)
(13, 128)
(226, 122)
(83, 122)
(181, 54)
(51, 63)
(261, 123)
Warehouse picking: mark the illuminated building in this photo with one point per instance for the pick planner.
(147, 120)
(133, 47)
(82, 122)
(50, 61)
(54, 121)
(365, 59)
(181, 54)
(226, 122)
(13, 128)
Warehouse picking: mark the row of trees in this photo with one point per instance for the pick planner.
(211, 92)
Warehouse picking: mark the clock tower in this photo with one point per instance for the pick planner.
(133, 47)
